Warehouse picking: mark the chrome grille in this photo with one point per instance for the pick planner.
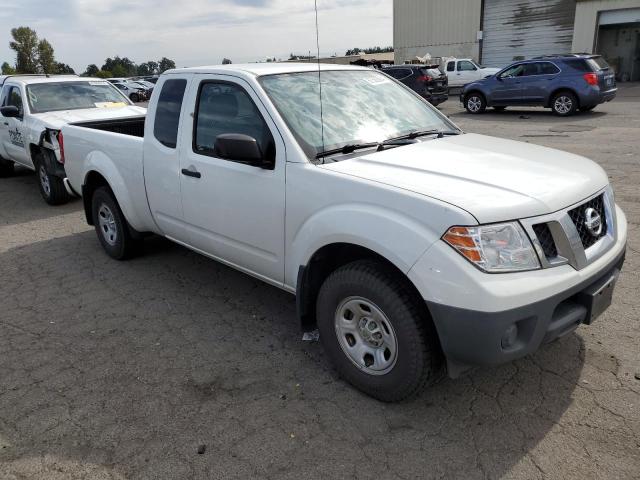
(578, 216)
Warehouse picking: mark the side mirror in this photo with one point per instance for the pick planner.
(10, 111)
(241, 148)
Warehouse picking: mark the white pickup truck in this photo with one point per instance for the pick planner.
(461, 71)
(408, 243)
(34, 107)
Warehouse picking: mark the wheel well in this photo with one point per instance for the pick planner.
(476, 92)
(92, 182)
(324, 262)
(34, 151)
(562, 89)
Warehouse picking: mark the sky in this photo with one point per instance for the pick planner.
(195, 32)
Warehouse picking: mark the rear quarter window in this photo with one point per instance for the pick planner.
(579, 65)
(167, 119)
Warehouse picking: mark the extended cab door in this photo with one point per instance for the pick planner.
(13, 133)
(161, 155)
(235, 211)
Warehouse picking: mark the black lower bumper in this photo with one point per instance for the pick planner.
(471, 338)
(436, 98)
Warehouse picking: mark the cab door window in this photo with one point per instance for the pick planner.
(225, 107)
(466, 66)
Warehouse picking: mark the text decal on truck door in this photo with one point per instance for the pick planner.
(16, 137)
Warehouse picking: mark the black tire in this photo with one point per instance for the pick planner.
(475, 102)
(51, 187)
(6, 168)
(499, 109)
(587, 109)
(418, 359)
(135, 98)
(564, 104)
(112, 227)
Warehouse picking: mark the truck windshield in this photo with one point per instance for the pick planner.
(50, 97)
(358, 107)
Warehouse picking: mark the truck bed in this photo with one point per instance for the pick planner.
(133, 126)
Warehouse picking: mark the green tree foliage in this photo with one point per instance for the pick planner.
(64, 69)
(91, 71)
(165, 64)
(226, 61)
(358, 51)
(46, 58)
(148, 68)
(104, 74)
(8, 69)
(120, 67)
(25, 44)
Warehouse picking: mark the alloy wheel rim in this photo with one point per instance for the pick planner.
(107, 223)
(44, 181)
(474, 104)
(366, 335)
(563, 104)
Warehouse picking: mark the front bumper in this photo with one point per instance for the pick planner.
(471, 338)
(473, 310)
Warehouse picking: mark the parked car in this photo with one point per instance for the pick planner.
(146, 86)
(33, 109)
(407, 243)
(426, 80)
(461, 71)
(564, 83)
(134, 92)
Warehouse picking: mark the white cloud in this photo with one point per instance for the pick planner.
(196, 32)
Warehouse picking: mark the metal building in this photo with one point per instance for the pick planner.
(497, 32)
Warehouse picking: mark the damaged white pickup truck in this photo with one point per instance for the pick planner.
(409, 244)
(33, 109)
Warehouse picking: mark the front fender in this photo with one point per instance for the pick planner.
(395, 236)
(98, 162)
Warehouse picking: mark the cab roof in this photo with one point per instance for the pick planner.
(259, 69)
(31, 79)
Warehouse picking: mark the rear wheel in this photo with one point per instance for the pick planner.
(51, 187)
(475, 103)
(135, 98)
(376, 333)
(564, 104)
(6, 168)
(111, 226)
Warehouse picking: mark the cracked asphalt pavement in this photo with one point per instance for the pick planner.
(118, 371)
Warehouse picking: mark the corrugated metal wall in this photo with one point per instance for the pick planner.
(438, 27)
(526, 28)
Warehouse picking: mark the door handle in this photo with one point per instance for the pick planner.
(191, 173)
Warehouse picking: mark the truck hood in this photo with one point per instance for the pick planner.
(491, 178)
(58, 119)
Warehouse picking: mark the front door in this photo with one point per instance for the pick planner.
(13, 131)
(234, 211)
(507, 89)
(466, 72)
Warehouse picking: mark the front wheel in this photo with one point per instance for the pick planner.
(51, 187)
(6, 168)
(564, 104)
(378, 336)
(111, 226)
(475, 103)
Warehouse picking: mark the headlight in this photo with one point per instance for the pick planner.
(500, 247)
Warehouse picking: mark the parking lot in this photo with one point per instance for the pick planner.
(173, 366)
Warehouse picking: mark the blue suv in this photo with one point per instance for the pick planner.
(564, 83)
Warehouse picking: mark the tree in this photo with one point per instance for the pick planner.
(120, 67)
(64, 69)
(91, 71)
(8, 69)
(166, 64)
(46, 57)
(25, 44)
(148, 68)
(226, 61)
(104, 74)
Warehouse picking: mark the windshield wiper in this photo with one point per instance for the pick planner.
(352, 147)
(420, 133)
(349, 148)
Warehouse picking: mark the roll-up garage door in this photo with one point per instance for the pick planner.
(515, 29)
